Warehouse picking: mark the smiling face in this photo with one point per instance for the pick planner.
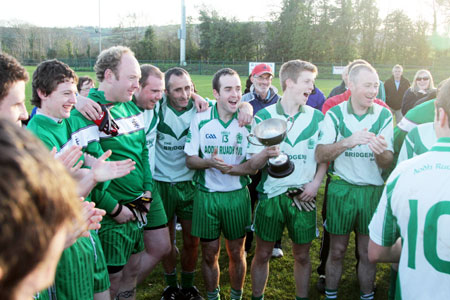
(364, 89)
(179, 91)
(423, 81)
(301, 89)
(262, 83)
(126, 83)
(229, 96)
(12, 107)
(59, 103)
(151, 93)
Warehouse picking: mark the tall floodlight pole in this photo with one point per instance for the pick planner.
(182, 35)
(99, 30)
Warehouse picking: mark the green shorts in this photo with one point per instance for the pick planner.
(229, 212)
(178, 198)
(74, 277)
(351, 206)
(156, 217)
(273, 214)
(101, 276)
(120, 241)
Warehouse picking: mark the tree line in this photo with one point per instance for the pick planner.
(316, 30)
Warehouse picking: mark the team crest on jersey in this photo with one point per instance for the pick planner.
(239, 138)
(188, 137)
(225, 135)
(210, 136)
(135, 123)
(160, 136)
(311, 144)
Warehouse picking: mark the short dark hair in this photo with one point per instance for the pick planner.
(82, 80)
(11, 71)
(220, 73)
(37, 197)
(47, 76)
(176, 71)
(292, 69)
(149, 70)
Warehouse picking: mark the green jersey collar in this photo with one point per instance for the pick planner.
(350, 110)
(215, 114)
(280, 110)
(442, 145)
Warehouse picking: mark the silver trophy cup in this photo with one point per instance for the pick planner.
(272, 132)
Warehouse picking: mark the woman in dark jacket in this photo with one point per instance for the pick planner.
(422, 85)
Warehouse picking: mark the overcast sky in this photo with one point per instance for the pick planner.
(57, 13)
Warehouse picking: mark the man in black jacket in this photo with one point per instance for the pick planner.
(395, 88)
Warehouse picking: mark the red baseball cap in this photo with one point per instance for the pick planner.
(260, 69)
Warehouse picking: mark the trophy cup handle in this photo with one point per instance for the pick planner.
(250, 141)
(292, 120)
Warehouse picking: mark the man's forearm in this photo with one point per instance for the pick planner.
(379, 253)
(242, 169)
(329, 152)
(196, 163)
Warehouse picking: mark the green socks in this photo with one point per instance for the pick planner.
(369, 296)
(258, 298)
(330, 294)
(187, 279)
(171, 279)
(214, 295)
(236, 294)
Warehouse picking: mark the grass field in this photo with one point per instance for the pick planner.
(281, 281)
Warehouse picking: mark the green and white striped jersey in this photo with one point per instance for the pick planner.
(299, 144)
(208, 132)
(419, 140)
(150, 123)
(415, 206)
(357, 165)
(172, 129)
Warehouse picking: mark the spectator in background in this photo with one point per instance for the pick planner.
(343, 86)
(85, 84)
(316, 99)
(396, 87)
(422, 86)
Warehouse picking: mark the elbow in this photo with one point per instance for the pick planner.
(373, 252)
(189, 162)
(318, 155)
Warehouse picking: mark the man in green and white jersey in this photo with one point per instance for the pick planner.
(156, 232)
(357, 139)
(174, 180)
(418, 141)
(411, 224)
(54, 87)
(121, 234)
(216, 148)
(275, 209)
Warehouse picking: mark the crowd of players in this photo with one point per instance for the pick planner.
(144, 149)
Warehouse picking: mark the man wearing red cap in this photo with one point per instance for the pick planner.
(261, 94)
